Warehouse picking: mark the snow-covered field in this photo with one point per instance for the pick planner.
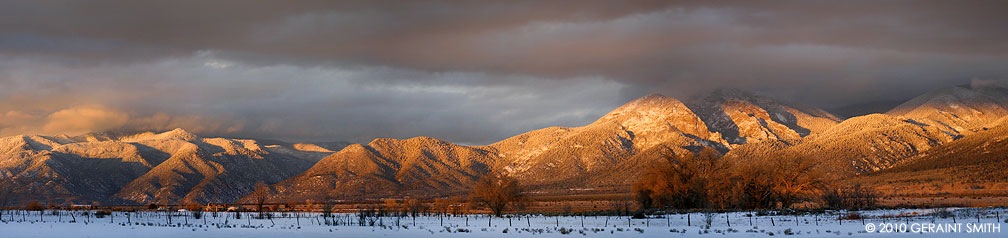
(886, 223)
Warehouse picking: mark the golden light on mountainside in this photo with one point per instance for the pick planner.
(502, 118)
(604, 156)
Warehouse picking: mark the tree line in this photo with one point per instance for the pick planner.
(705, 180)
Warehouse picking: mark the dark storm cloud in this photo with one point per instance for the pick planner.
(467, 71)
(214, 96)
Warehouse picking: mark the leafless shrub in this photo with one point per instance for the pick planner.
(855, 196)
(196, 209)
(708, 219)
(34, 206)
(567, 209)
(102, 213)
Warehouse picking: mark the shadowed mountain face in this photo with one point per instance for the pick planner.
(47, 168)
(981, 154)
(857, 145)
(170, 167)
(742, 117)
(958, 110)
(208, 170)
(178, 167)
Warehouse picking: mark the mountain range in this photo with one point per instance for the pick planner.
(927, 133)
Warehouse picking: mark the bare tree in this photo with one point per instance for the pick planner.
(392, 206)
(416, 207)
(6, 193)
(754, 184)
(195, 208)
(441, 206)
(622, 206)
(798, 178)
(261, 194)
(458, 205)
(779, 180)
(327, 207)
(693, 181)
(497, 193)
(309, 205)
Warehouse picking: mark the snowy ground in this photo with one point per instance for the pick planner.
(886, 223)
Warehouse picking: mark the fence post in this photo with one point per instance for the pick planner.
(726, 218)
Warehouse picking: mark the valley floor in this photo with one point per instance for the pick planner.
(885, 223)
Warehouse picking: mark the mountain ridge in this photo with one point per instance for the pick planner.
(139, 168)
(177, 166)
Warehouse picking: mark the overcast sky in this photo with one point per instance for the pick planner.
(468, 71)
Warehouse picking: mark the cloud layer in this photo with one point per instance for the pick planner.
(468, 71)
(212, 96)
